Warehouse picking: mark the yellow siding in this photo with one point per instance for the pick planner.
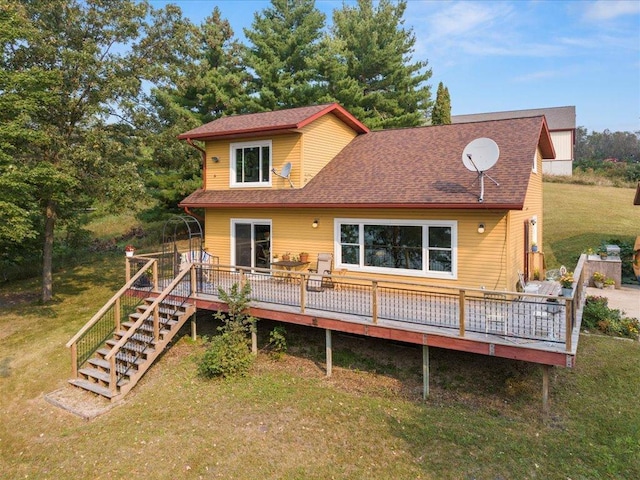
(323, 140)
(480, 256)
(286, 148)
(532, 208)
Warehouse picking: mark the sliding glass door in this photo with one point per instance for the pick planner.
(251, 243)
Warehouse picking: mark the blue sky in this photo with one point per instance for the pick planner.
(511, 55)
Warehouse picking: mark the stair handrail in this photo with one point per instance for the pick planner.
(109, 304)
(146, 314)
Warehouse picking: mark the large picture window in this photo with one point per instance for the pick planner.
(397, 247)
(251, 164)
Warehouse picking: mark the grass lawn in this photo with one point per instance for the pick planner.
(577, 217)
(286, 420)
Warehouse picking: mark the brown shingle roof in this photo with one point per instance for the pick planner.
(409, 168)
(270, 122)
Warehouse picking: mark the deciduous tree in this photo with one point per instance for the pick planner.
(85, 65)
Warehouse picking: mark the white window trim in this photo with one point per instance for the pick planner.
(232, 167)
(453, 275)
(535, 162)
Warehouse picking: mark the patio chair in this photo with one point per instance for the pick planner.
(194, 256)
(496, 313)
(527, 287)
(318, 281)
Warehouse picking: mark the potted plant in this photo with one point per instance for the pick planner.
(610, 284)
(602, 251)
(129, 250)
(286, 256)
(598, 279)
(304, 257)
(566, 282)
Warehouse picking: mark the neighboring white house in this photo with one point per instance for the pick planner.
(562, 125)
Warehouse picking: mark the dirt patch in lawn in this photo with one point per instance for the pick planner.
(79, 402)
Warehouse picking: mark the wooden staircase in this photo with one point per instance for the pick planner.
(137, 353)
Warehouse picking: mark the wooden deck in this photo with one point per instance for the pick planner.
(523, 326)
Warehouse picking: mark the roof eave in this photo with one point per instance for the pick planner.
(361, 206)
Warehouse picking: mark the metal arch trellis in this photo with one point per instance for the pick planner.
(180, 234)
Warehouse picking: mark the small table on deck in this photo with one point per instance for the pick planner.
(288, 266)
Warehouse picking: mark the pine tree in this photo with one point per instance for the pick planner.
(441, 113)
(384, 87)
(285, 45)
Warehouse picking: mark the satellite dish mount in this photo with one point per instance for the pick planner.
(284, 173)
(479, 156)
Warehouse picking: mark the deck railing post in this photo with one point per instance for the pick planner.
(156, 322)
(462, 315)
(154, 269)
(374, 301)
(193, 287)
(303, 292)
(112, 375)
(127, 270)
(568, 324)
(74, 360)
(117, 312)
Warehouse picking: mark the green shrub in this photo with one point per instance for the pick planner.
(278, 341)
(229, 354)
(598, 316)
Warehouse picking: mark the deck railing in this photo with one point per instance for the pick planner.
(109, 318)
(516, 315)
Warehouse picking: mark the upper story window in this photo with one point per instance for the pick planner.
(418, 248)
(251, 164)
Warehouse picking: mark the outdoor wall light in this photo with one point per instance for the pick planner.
(315, 223)
(481, 228)
(533, 221)
(215, 159)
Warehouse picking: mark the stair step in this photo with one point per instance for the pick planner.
(163, 312)
(123, 366)
(146, 327)
(92, 387)
(134, 347)
(167, 301)
(134, 317)
(100, 375)
(129, 358)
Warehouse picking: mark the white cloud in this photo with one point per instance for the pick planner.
(608, 9)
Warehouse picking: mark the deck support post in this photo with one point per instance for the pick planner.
(194, 334)
(425, 371)
(127, 270)
(329, 353)
(545, 388)
(254, 340)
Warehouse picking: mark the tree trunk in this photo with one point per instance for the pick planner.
(47, 252)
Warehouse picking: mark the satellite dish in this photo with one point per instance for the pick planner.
(479, 156)
(285, 172)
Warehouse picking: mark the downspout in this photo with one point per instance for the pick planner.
(195, 215)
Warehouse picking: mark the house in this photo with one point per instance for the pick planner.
(385, 203)
(426, 248)
(562, 126)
